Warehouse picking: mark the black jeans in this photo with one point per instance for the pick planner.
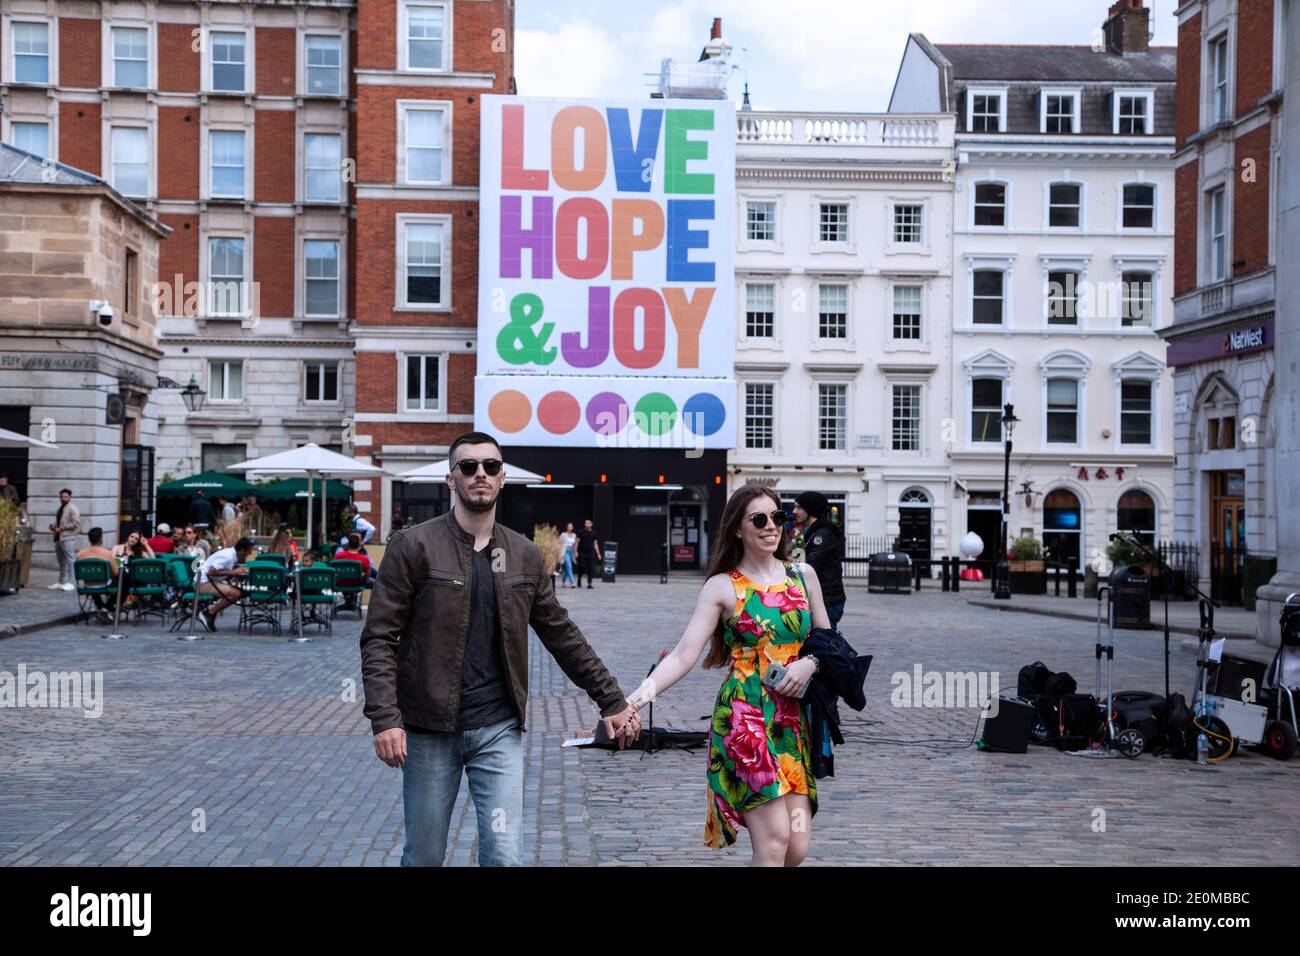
(587, 566)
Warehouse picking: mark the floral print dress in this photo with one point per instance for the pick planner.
(759, 747)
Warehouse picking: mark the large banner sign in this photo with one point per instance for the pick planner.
(605, 272)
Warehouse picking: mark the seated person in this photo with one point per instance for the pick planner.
(284, 544)
(103, 602)
(162, 542)
(225, 563)
(192, 544)
(353, 552)
(310, 558)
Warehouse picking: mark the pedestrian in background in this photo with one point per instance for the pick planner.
(66, 527)
(7, 491)
(588, 552)
(823, 548)
(568, 542)
(201, 515)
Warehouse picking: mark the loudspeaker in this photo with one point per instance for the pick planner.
(1008, 730)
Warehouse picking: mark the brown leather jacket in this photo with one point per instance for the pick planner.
(413, 643)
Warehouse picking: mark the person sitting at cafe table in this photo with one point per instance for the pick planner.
(105, 602)
(223, 564)
(163, 542)
(284, 544)
(353, 552)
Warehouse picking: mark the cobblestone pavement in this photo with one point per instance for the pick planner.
(253, 738)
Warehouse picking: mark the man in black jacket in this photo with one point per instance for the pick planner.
(823, 545)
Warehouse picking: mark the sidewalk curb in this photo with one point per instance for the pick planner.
(18, 630)
(1091, 619)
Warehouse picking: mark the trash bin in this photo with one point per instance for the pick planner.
(889, 572)
(1131, 592)
(609, 560)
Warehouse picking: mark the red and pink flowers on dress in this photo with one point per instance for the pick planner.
(746, 745)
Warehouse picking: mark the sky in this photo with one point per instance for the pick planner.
(830, 55)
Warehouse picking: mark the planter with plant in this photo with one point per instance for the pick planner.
(1028, 572)
(10, 564)
(547, 539)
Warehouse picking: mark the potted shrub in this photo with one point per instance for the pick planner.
(547, 539)
(10, 564)
(1028, 571)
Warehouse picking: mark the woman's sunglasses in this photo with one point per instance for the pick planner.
(779, 518)
(469, 467)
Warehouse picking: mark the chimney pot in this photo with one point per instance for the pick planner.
(716, 32)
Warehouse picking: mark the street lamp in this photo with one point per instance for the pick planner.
(1003, 590)
(193, 395)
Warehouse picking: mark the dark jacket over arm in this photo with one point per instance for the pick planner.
(386, 619)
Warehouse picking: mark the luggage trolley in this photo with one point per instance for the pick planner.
(1112, 740)
(1281, 684)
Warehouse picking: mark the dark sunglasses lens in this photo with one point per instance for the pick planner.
(492, 466)
(760, 519)
(469, 468)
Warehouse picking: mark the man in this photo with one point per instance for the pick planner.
(95, 549)
(67, 523)
(223, 564)
(192, 544)
(360, 525)
(7, 491)
(823, 544)
(588, 553)
(444, 660)
(162, 542)
(352, 551)
(201, 514)
(227, 510)
(178, 537)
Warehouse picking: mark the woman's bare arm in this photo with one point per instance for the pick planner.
(717, 598)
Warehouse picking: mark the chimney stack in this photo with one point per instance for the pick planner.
(716, 32)
(1128, 27)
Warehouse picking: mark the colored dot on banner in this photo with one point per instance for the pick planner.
(558, 412)
(655, 414)
(510, 410)
(704, 414)
(607, 413)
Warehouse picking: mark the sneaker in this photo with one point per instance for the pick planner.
(209, 620)
(69, 587)
(56, 586)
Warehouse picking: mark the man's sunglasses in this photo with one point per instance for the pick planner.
(469, 467)
(779, 518)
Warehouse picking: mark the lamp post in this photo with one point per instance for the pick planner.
(193, 395)
(1003, 590)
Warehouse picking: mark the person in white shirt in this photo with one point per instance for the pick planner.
(360, 525)
(569, 544)
(225, 563)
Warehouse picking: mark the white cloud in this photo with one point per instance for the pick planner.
(579, 59)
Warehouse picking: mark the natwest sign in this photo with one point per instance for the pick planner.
(1213, 346)
(1244, 340)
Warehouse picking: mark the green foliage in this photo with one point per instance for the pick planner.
(8, 528)
(1123, 551)
(1027, 548)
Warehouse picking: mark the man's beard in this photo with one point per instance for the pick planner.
(470, 504)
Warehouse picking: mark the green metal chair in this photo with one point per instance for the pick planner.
(349, 582)
(280, 559)
(94, 580)
(147, 584)
(265, 596)
(183, 575)
(316, 597)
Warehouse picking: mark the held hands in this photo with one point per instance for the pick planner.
(625, 726)
(797, 676)
(390, 746)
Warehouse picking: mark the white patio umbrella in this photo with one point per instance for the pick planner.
(438, 472)
(10, 439)
(310, 461)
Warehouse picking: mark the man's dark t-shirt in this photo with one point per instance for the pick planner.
(484, 694)
(586, 543)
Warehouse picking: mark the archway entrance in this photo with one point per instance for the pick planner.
(1063, 528)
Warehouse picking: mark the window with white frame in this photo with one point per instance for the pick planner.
(1133, 113)
(320, 382)
(424, 137)
(760, 221)
(1062, 411)
(1060, 111)
(907, 313)
(324, 65)
(1136, 299)
(423, 263)
(990, 204)
(225, 276)
(1219, 79)
(1063, 205)
(1139, 206)
(1136, 408)
(32, 137)
(423, 383)
(226, 163)
(130, 57)
(31, 46)
(907, 223)
(322, 179)
(228, 59)
(321, 277)
(130, 151)
(1062, 297)
(1217, 234)
(426, 36)
(832, 417)
(986, 111)
(988, 298)
(760, 414)
(986, 409)
(226, 380)
(905, 418)
(833, 222)
(760, 310)
(833, 311)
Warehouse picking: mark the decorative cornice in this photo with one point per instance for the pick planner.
(911, 368)
(760, 174)
(832, 368)
(743, 366)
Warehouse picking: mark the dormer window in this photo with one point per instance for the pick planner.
(986, 111)
(1133, 112)
(1059, 111)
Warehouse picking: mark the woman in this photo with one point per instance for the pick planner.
(135, 546)
(755, 610)
(568, 542)
(283, 543)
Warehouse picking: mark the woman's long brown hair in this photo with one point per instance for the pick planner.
(727, 551)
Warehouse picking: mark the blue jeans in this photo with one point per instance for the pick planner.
(568, 566)
(835, 612)
(493, 758)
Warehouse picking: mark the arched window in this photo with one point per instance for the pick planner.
(1137, 513)
(914, 498)
(1063, 528)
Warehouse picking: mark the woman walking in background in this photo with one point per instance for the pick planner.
(568, 542)
(754, 611)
